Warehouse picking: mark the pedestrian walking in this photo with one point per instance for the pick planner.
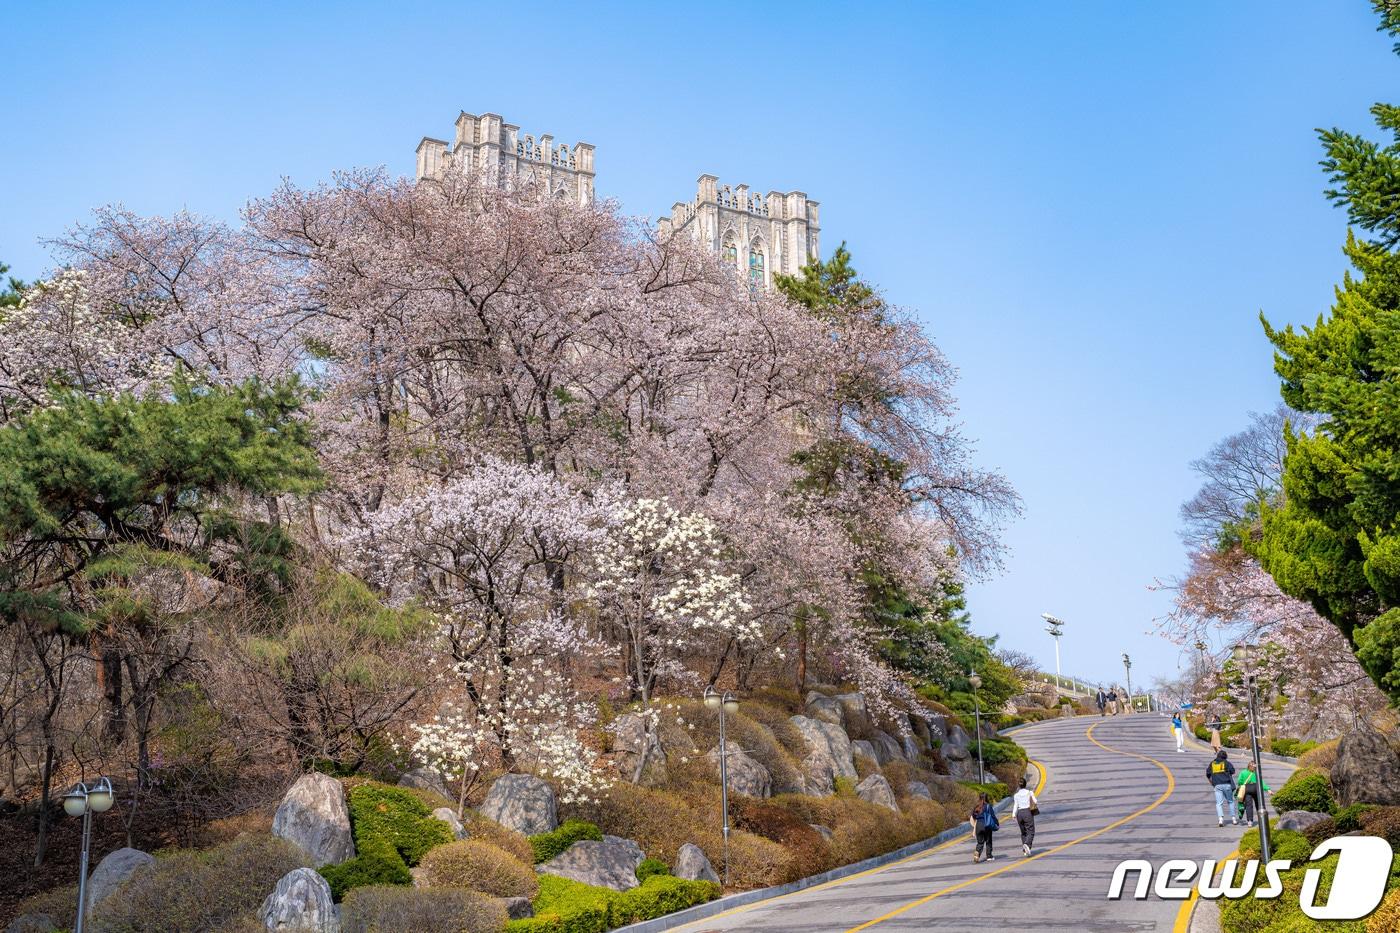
(984, 823)
(1179, 730)
(1250, 793)
(1215, 742)
(1221, 775)
(1101, 699)
(1113, 702)
(1024, 808)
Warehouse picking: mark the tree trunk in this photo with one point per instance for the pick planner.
(114, 730)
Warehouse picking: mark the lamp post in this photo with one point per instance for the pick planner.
(725, 703)
(1128, 675)
(84, 801)
(1244, 655)
(976, 682)
(1055, 627)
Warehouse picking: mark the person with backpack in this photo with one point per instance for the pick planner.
(984, 823)
(1221, 775)
(1024, 807)
(1179, 730)
(1250, 794)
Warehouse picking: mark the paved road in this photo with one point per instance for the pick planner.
(1115, 789)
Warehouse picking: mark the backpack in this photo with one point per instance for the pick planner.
(988, 818)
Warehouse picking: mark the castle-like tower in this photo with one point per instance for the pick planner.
(495, 148)
(760, 235)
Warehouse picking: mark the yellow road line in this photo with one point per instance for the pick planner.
(1089, 734)
(1039, 787)
(1183, 915)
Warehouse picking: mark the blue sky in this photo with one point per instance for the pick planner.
(1088, 204)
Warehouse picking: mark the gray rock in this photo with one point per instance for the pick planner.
(640, 757)
(301, 902)
(1366, 769)
(857, 713)
(449, 816)
(957, 737)
(112, 871)
(522, 802)
(611, 863)
(746, 776)
(875, 789)
(313, 815)
(425, 779)
(961, 764)
(918, 789)
(692, 865)
(887, 749)
(863, 748)
(823, 831)
(519, 908)
(828, 754)
(1301, 820)
(827, 709)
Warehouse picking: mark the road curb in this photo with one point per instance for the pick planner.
(745, 898)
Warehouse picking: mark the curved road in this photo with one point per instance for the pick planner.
(1114, 789)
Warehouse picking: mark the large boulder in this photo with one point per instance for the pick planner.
(640, 757)
(425, 779)
(857, 713)
(875, 789)
(918, 789)
(522, 802)
(301, 902)
(961, 764)
(692, 865)
(828, 754)
(611, 863)
(887, 748)
(313, 815)
(114, 869)
(746, 776)
(449, 816)
(864, 749)
(827, 709)
(1300, 820)
(1366, 769)
(930, 728)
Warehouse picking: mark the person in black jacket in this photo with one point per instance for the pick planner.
(1221, 775)
(984, 823)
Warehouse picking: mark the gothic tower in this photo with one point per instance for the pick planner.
(495, 148)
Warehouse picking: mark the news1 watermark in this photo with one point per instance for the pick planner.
(1358, 885)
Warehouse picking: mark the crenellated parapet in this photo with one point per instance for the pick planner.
(504, 156)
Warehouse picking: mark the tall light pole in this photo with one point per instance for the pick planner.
(725, 703)
(976, 682)
(1055, 627)
(1244, 655)
(84, 801)
(1128, 675)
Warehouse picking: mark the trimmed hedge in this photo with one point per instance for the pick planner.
(1251, 914)
(566, 906)
(1292, 748)
(546, 846)
(1310, 791)
(393, 830)
(1348, 819)
(1002, 751)
(379, 909)
(377, 868)
(652, 866)
(479, 866)
(993, 789)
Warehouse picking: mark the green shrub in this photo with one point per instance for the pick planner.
(1309, 791)
(200, 889)
(1202, 733)
(381, 867)
(377, 909)
(993, 789)
(657, 896)
(843, 786)
(1283, 914)
(652, 866)
(546, 846)
(397, 816)
(479, 866)
(1002, 751)
(1348, 819)
(1291, 748)
(565, 906)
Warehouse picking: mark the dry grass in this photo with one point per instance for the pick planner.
(479, 866)
(1324, 756)
(488, 830)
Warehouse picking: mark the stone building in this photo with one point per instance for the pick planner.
(488, 144)
(759, 235)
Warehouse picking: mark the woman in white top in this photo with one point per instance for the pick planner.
(1023, 809)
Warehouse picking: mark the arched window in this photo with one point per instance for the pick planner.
(731, 252)
(755, 265)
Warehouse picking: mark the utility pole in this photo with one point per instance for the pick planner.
(1056, 628)
(1128, 675)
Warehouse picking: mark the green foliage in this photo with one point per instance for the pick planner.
(1283, 914)
(843, 786)
(479, 866)
(548, 845)
(393, 830)
(209, 889)
(11, 290)
(565, 906)
(652, 866)
(381, 909)
(996, 790)
(1348, 819)
(1002, 751)
(378, 866)
(1306, 791)
(1292, 748)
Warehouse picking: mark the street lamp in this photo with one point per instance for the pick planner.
(976, 682)
(1128, 674)
(1055, 627)
(1245, 656)
(84, 801)
(724, 703)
